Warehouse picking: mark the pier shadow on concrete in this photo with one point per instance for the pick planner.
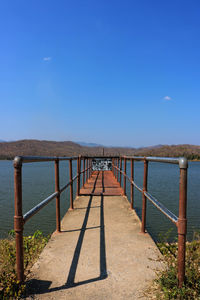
(41, 286)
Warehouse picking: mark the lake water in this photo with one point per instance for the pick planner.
(38, 183)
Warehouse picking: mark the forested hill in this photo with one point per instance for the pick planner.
(8, 150)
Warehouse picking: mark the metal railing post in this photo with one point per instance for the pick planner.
(80, 163)
(182, 221)
(124, 176)
(120, 174)
(143, 196)
(71, 184)
(132, 179)
(90, 168)
(18, 219)
(113, 166)
(118, 170)
(87, 169)
(57, 189)
(78, 176)
(83, 171)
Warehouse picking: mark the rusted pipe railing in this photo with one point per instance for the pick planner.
(57, 190)
(71, 184)
(143, 227)
(132, 186)
(181, 220)
(120, 174)
(90, 163)
(87, 171)
(118, 170)
(78, 177)
(83, 172)
(19, 218)
(124, 176)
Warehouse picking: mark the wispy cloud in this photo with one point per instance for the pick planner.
(47, 58)
(167, 98)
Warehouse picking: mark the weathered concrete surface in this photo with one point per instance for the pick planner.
(102, 183)
(100, 254)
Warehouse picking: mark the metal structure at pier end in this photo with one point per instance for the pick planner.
(86, 166)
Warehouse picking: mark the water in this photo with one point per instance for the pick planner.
(38, 183)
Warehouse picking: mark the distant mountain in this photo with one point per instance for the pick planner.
(9, 150)
(51, 148)
(2, 141)
(89, 144)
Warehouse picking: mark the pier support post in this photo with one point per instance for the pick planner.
(18, 219)
(117, 170)
(124, 175)
(143, 196)
(182, 221)
(132, 179)
(78, 177)
(57, 189)
(87, 169)
(83, 171)
(113, 165)
(90, 170)
(80, 168)
(120, 174)
(71, 184)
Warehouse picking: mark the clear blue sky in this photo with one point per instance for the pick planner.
(105, 71)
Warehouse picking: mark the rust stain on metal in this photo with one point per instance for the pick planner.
(102, 182)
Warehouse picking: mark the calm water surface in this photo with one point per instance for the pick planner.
(38, 183)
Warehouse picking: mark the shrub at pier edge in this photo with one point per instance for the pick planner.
(33, 245)
(167, 280)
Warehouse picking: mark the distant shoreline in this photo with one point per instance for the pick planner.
(9, 150)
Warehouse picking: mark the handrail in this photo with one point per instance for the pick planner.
(162, 208)
(155, 202)
(180, 221)
(28, 159)
(44, 202)
(131, 181)
(38, 207)
(100, 156)
(181, 161)
(20, 219)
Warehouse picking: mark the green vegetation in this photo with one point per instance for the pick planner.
(167, 279)
(33, 245)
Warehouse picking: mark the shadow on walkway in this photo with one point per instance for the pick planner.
(41, 286)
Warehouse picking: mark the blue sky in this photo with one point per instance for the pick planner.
(113, 72)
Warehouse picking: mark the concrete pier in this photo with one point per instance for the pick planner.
(100, 254)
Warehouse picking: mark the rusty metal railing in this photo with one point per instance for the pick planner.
(20, 219)
(181, 220)
(86, 162)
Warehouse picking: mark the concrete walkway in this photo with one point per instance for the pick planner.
(102, 183)
(100, 254)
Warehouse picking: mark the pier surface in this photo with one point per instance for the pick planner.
(100, 253)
